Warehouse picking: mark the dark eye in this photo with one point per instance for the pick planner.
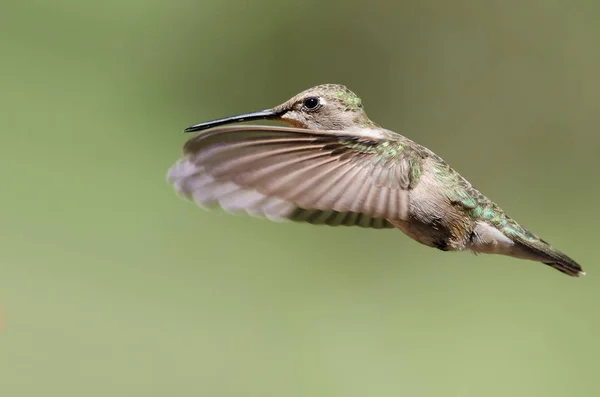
(311, 103)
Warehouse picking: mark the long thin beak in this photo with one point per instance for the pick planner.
(260, 115)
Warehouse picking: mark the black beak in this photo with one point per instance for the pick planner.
(260, 115)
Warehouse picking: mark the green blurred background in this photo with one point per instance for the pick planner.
(111, 285)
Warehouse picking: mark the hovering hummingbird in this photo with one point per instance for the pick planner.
(335, 166)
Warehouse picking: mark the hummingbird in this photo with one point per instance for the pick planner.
(332, 165)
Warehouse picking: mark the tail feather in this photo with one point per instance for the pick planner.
(548, 255)
(572, 269)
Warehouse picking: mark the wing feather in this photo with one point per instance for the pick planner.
(321, 177)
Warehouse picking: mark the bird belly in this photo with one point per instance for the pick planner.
(432, 234)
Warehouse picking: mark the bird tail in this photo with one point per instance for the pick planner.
(572, 268)
(541, 251)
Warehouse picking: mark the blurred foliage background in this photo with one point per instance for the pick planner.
(110, 285)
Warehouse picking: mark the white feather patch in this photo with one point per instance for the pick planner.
(489, 240)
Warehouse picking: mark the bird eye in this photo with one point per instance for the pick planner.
(311, 103)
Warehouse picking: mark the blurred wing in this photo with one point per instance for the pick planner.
(320, 177)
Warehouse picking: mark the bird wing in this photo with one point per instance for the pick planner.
(326, 177)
